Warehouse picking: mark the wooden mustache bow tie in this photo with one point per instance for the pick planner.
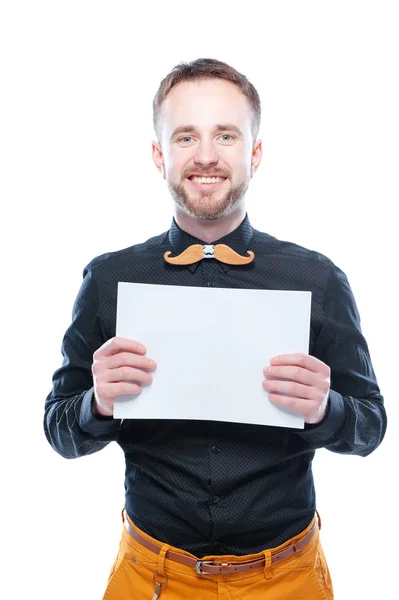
(197, 252)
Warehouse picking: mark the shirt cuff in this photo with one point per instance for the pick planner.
(326, 430)
(90, 423)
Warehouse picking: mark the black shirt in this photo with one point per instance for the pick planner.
(216, 487)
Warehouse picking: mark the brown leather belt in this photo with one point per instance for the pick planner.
(211, 567)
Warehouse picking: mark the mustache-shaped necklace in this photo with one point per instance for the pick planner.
(197, 252)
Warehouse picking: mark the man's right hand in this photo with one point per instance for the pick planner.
(119, 367)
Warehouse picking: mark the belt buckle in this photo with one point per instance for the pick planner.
(199, 564)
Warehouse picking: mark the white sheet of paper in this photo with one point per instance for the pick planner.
(211, 346)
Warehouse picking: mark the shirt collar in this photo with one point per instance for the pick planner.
(239, 240)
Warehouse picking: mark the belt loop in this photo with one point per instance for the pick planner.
(160, 577)
(319, 519)
(161, 559)
(268, 563)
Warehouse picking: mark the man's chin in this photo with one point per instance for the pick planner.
(206, 216)
(207, 207)
(203, 213)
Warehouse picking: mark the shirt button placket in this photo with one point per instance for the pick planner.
(215, 499)
(210, 272)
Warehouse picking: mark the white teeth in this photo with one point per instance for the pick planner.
(207, 179)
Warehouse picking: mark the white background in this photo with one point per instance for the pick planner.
(77, 180)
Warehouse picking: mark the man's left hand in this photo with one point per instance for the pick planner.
(307, 388)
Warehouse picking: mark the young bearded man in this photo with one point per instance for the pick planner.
(216, 509)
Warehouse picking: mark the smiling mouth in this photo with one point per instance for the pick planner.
(199, 182)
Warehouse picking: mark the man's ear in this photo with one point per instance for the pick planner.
(256, 156)
(157, 157)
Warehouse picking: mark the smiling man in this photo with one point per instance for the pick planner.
(209, 153)
(216, 509)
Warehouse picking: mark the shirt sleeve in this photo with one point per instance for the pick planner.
(355, 420)
(69, 424)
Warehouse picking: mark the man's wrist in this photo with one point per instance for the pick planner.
(94, 408)
(325, 414)
(96, 412)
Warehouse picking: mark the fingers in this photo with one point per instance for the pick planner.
(296, 374)
(294, 389)
(296, 382)
(122, 359)
(307, 408)
(105, 394)
(118, 344)
(306, 361)
(126, 373)
(119, 367)
(300, 382)
(109, 390)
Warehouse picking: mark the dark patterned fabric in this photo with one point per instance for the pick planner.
(217, 487)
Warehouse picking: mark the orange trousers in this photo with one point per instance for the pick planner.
(302, 576)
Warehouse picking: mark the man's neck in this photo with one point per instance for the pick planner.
(209, 231)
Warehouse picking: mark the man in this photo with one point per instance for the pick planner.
(216, 509)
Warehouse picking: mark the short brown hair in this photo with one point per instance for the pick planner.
(206, 68)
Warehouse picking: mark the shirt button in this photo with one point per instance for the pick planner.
(215, 449)
(216, 544)
(215, 499)
(210, 283)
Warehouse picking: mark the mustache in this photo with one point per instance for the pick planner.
(211, 174)
(196, 252)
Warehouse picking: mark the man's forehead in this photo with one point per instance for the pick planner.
(207, 105)
(216, 92)
(204, 84)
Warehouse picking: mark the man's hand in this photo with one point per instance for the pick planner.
(116, 365)
(307, 388)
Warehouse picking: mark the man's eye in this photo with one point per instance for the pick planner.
(187, 138)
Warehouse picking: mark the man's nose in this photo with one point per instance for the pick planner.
(206, 153)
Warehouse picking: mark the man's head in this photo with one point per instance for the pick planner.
(206, 118)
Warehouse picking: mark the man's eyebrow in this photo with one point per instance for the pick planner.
(218, 127)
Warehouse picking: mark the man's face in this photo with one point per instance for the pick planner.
(206, 131)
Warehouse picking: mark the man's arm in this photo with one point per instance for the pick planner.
(69, 423)
(355, 421)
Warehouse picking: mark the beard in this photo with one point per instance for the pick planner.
(207, 205)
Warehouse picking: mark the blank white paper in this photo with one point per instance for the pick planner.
(211, 346)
